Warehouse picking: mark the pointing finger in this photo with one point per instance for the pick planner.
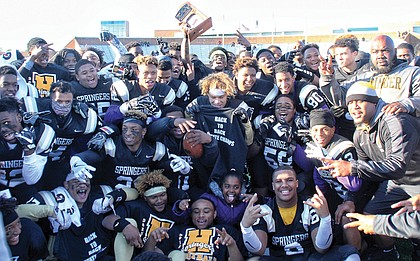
(319, 192)
(252, 200)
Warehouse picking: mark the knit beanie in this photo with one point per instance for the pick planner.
(362, 91)
(321, 117)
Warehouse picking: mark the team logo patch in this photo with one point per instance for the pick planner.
(59, 198)
(199, 244)
(7, 55)
(156, 222)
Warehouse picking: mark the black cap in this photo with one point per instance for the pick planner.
(261, 51)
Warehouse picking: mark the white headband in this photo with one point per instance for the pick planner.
(90, 53)
(154, 190)
(217, 92)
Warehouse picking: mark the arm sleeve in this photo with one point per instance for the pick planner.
(34, 212)
(406, 225)
(249, 133)
(178, 212)
(319, 181)
(33, 167)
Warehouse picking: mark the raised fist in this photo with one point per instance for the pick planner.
(338, 111)
(289, 56)
(266, 124)
(242, 114)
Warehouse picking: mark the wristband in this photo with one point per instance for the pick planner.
(120, 224)
(107, 130)
(118, 195)
(354, 168)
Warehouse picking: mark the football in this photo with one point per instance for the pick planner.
(192, 151)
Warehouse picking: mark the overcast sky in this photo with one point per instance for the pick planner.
(59, 21)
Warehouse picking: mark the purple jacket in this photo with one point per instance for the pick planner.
(227, 214)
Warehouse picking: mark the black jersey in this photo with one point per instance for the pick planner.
(126, 90)
(100, 96)
(146, 217)
(174, 146)
(278, 147)
(121, 167)
(344, 124)
(293, 239)
(226, 128)
(308, 97)
(13, 161)
(32, 243)
(266, 77)
(260, 97)
(88, 241)
(67, 129)
(42, 77)
(182, 92)
(339, 148)
(199, 244)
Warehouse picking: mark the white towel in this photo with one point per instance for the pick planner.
(67, 206)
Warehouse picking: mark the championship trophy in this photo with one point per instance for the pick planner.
(197, 22)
